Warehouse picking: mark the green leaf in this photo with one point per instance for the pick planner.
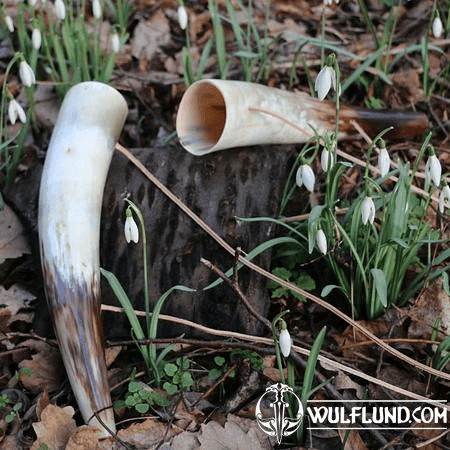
(219, 361)
(186, 380)
(170, 369)
(214, 374)
(328, 288)
(142, 408)
(170, 388)
(134, 386)
(380, 285)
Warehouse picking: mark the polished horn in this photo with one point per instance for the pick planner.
(217, 114)
(70, 199)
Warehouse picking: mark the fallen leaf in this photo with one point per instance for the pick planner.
(55, 428)
(44, 365)
(352, 441)
(12, 240)
(149, 36)
(84, 438)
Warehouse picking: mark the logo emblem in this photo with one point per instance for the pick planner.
(278, 397)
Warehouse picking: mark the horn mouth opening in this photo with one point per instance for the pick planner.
(201, 118)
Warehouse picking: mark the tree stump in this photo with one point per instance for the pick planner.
(217, 187)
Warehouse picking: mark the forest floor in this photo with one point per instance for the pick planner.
(217, 411)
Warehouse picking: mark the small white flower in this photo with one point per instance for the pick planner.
(367, 210)
(384, 161)
(36, 38)
(14, 111)
(9, 23)
(115, 42)
(330, 2)
(325, 158)
(305, 176)
(60, 9)
(32, 3)
(131, 229)
(285, 342)
(96, 9)
(444, 199)
(437, 27)
(182, 17)
(433, 170)
(26, 74)
(321, 241)
(326, 78)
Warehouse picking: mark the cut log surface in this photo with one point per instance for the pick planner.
(217, 187)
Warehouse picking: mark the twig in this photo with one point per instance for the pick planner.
(202, 224)
(237, 290)
(328, 363)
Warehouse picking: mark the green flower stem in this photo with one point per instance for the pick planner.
(140, 217)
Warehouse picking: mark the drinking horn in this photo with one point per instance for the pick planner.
(70, 199)
(218, 114)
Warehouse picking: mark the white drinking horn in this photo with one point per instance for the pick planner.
(218, 114)
(77, 161)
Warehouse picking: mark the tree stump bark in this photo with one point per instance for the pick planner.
(217, 187)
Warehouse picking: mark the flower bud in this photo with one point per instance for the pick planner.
(9, 24)
(182, 17)
(321, 241)
(60, 9)
(115, 42)
(444, 199)
(367, 210)
(14, 111)
(36, 38)
(384, 161)
(437, 27)
(433, 170)
(26, 74)
(96, 9)
(285, 340)
(305, 176)
(131, 230)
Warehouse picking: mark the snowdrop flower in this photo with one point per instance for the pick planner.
(9, 23)
(96, 9)
(285, 340)
(305, 176)
(60, 9)
(444, 199)
(131, 230)
(182, 17)
(437, 27)
(325, 158)
(36, 38)
(384, 161)
(115, 42)
(326, 78)
(433, 170)
(14, 111)
(26, 74)
(321, 241)
(32, 3)
(367, 210)
(330, 2)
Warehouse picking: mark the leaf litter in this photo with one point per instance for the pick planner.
(153, 59)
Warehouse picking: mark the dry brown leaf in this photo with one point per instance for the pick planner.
(84, 438)
(432, 303)
(425, 432)
(344, 382)
(150, 35)
(12, 240)
(55, 428)
(352, 441)
(45, 365)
